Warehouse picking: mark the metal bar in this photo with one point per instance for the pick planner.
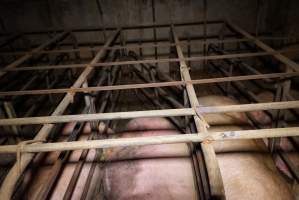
(24, 58)
(164, 60)
(150, 85)
(98, 116)
(12, 177)
(131, 46)
(197, 157)
(249, 107)
(265, 47)
(236, 61)
(214, 174)
(153, 140)
(164, 94)
(150, 113)
(94, 134)
(96, 131)
(62, 157)
(160, 74)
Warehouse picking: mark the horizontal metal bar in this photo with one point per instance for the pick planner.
(25, 57)
(148, 113)
(150, 85)
(152, 140)
(98, 116)
(249, 107)
(134, 46)
(149, 61)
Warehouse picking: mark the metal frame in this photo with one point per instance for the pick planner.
(80, 86)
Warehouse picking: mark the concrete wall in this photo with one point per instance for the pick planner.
(20, 15)
(291, 27)
(276, 16)
(40, 14)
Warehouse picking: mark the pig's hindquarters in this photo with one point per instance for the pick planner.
(149, 172)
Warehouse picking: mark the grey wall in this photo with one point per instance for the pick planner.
(274, 15)
(39, 14)
(277, 16)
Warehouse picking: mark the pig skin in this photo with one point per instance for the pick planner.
(165, 171)
(232, 117)
(248, 173)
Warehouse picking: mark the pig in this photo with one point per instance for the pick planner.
(148, 172)
(166, 171)
(249, 173)
(232, 117)
(159, 171)
(147, 123)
